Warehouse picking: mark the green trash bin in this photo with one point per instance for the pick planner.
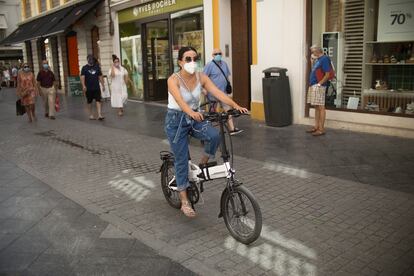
(276, 97)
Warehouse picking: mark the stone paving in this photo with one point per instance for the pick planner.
(44, 233)
(314, 224)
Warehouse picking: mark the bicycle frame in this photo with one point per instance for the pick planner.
(237, 203)
(210, 171)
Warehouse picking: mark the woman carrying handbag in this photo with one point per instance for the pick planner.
(27, 91)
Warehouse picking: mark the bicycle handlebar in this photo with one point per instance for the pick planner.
(222, 116)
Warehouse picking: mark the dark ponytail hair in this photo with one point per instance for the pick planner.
(114, 57)
(182, 51)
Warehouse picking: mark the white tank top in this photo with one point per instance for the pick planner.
(192, 98)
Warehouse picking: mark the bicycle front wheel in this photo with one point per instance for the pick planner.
(242, 214)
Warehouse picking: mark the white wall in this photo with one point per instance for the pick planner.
(281, 43)
(318, 20)
(11, 10)
(225, 30)
(208, 29)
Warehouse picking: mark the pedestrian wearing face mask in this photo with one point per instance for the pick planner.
(119, 80)
(27, 91)
(91, 75)
(47, 85)
(218, 71)
(183, 118)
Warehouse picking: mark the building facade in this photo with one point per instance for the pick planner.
(9, 19)
(374, 86)
(371, 45)
(64, 32)
(255, 35)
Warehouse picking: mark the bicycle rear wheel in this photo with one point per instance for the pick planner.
(241, 214)
(167, 181)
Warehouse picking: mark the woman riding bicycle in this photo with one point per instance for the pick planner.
(183, 118)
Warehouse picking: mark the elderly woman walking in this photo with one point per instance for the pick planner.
(119, 79)
(27, 90)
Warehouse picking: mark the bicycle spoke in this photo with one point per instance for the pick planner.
(169, 186)
(238, 210)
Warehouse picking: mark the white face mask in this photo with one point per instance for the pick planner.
(190, 67)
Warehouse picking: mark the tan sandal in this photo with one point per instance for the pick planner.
(187, 210)
(311, 130)
(318, 133)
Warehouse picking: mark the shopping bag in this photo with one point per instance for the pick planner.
(20, 110)
(105, 93)
(57, 103)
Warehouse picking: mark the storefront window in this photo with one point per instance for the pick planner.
(131, 57)
(187, 29)
(163, 30)
(372, 48)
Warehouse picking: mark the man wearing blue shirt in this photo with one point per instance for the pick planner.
(91, 75)
(318, 81)
(219, 78)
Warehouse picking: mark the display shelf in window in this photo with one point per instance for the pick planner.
(401, 102)
(386, 42)
(389, 70)
(387, 64)
(389, 53)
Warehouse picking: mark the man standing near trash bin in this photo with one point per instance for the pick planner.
(46, 81)
(218, 71)
(317, 89)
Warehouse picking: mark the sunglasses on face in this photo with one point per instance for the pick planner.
(25, 66)
(215, 54)
(189, 59)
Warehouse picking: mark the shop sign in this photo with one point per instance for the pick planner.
(330, 46)
(156, 8)
(396, 20)
(75, 86)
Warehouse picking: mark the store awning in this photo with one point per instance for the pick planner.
(34, 29)
(19, 35)
(51, 20)
(75, 14)
(50, 24)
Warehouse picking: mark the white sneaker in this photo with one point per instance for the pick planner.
(235, 131)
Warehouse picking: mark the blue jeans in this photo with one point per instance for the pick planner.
(178, 126)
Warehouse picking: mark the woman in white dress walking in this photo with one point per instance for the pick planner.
(119, 79)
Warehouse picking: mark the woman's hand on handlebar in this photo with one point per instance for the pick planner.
(197, 116)
(241, 109)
